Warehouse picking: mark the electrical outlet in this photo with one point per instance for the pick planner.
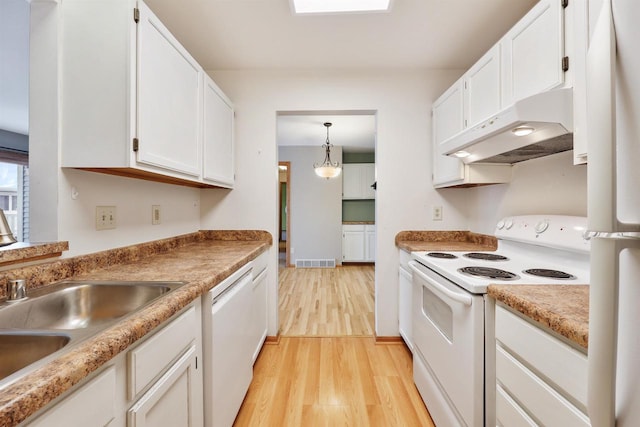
(155, 214)
(437, 213)
(105, 217)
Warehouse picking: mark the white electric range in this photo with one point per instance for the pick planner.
(452, 316)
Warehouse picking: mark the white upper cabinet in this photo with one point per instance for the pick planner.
(482, 87)
(218, 136)
(357, 179)
(528, 60)
(134, 102)
(169, 99)
(448, 119)
(532, 52)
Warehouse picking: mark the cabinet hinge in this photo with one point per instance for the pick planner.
(136, 144)
(136, 15)
(565, 63)
(565, 3)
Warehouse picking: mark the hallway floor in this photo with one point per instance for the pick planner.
(327, 301)
(339, 381)
(326, 369)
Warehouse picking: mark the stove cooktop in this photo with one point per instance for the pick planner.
(512, 263)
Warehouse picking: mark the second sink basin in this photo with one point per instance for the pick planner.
(76, 305)
(18, 350)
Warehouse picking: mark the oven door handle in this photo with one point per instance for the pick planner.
(456, 296)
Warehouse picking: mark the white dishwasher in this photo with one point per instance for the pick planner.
(228, 349)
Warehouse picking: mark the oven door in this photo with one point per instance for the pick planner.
(448, 333)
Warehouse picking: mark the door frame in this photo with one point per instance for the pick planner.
(288, 210)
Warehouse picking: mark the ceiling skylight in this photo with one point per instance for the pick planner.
(339, 6)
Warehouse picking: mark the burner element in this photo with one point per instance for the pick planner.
(486, 256)
(490, 273)
(552, 274)
(443, 255)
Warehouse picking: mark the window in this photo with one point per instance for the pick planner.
(14, 198)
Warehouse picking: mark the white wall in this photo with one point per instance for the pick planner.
(315, 205)
(405, 196)
(548, 185)
(133, 198)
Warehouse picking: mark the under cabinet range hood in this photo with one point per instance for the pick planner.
(536, 126)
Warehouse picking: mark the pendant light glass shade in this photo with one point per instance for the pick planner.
(327, 169)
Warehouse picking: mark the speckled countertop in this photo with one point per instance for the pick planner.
(202, 259)
(562, 308)
(445, 241)
(18, 252)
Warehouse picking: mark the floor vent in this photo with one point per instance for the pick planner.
(315, 263)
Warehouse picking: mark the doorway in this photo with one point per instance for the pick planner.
(318, 295)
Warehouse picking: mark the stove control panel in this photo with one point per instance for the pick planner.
(559, 231)
(542, 226)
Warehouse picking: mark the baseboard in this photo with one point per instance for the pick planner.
(389, 340)
(272, 340)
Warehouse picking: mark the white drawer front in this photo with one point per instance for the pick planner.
(541, 401)
(544, 354)
(148, 360)
(260, 263)
(91, 405)
(509, 413)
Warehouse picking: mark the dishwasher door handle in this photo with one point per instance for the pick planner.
(455, 296)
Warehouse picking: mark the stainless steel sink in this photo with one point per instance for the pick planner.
(18, 350)
(56, 317)
(77, 305)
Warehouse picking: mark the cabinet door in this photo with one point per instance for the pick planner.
(351, 181)
(368, 172)
(218, 136)
(169, 100)
(482, 87)
(353, 245)
(404, 307)
(370, 243)
(259, 312)
(171, 400)
(533, 51)
(448, 120)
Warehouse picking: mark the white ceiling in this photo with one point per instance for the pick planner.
(253, 34)
(264, 34)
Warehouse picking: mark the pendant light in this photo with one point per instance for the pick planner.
(327, 169)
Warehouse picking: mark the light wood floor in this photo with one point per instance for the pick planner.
(339, 381)
(327, 301)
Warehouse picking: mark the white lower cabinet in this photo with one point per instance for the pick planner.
(358, 243)
(540, 380)
(157, 382)
(405, 299)
(169, 401)
(259, 304)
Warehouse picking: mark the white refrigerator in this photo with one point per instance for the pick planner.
(613, 132)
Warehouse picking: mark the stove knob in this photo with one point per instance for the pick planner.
(508, 224)
(542, 226)
(500, 225)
